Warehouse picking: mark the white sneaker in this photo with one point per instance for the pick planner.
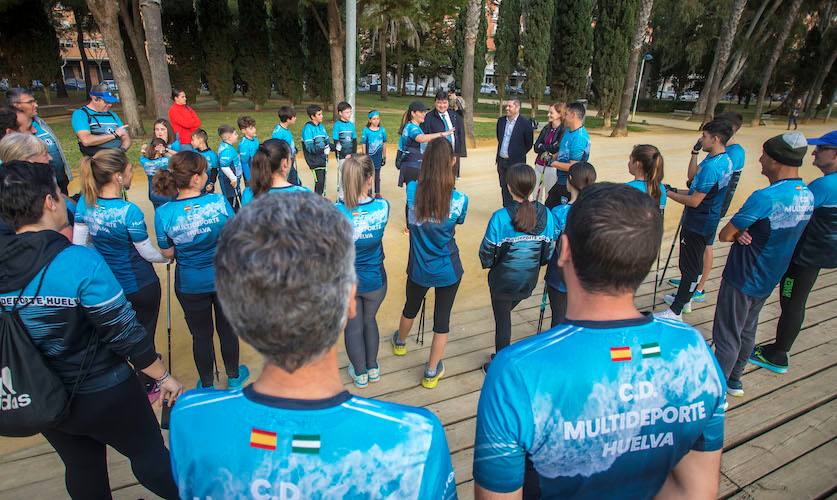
(668, 314)
(360, 381)
(669, 299)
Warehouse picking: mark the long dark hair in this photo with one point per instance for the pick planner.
(521, 180)
(170, 135)
(651, 161)
(182, 167)
(581, 174)
(267, 160)
(436, 182)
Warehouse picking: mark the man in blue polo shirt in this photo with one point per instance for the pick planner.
(709, 182)
(96, 126)
(764, 232)
(295, 432)
(574, 147)
(646, 414)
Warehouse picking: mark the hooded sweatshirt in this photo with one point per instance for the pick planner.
(78, 297)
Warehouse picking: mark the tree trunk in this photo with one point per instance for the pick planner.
(700, 105)
(725, 42)
(156, 49)
(606, 117)
(85, 64)
(767, 74)
(472, 20)
(106, 14)
(816, 89)
(130, 15)
(382, 47)
(745, 48)
(399, 71)
(60, 87)
(631, 76)
(335, 44)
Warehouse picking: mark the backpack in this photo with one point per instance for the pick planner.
(32, 396)
(92, 150)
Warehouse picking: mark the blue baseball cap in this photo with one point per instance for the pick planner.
(103, 92)
(373, 114)
(829, 139)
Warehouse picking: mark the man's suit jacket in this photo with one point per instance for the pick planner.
(433, 123)
(520, 141)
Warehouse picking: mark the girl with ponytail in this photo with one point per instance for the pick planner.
(269, 170)
(188, 228)
(646, 165)
(117, 230)
(369, 218)
(518, 241)
(153, 159)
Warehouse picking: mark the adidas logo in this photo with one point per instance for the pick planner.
(9, 398)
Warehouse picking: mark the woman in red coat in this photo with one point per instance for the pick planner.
(183, 119)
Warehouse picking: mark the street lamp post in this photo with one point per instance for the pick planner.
(351, 51)
(646, 57)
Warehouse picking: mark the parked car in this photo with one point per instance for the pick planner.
(547, 91)
(488, 88)
(111, 85)
(513, 90)
(690, 96)
(363, 87)
(74, 83)
(391, 88)
(668, 94)
(414, 89)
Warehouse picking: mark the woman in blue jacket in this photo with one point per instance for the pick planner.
(518, 241)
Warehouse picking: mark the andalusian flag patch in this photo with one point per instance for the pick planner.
(264, 440)
(305, 443)
(651, 350)
(620, 353)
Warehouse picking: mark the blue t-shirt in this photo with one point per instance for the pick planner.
(643, 186)
(818, 245)
(211, 161)
(341, 447)
(115, 225)
(712, 178)
(246, 149)
(344, 135)
(314, 142)
(247, 195)
(775, 218)
(554, 278)
(192, 226)
(369, 219)
(152, 166)
(411, 148)
(97, 123)
(374, 141)
(574, 146)
(633, 398)
(52, 146)
(283, 134)
(737, 156)
(434, 255)
(228, 158)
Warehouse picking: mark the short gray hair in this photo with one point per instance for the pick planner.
(20, 146)
(284, 269)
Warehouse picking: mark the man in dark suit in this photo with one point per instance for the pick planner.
(440, 120)
(514, 139)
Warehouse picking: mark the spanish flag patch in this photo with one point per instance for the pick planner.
(622, 353)
(261, 439)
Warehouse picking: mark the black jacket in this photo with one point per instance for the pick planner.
(521, 139)
(433, 123)
(551, 148)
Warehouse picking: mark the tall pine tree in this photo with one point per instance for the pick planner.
(254, 50)
(317, 67)
(480, 49)
(216, 39)
(180, 29)
(572, 49)
(286, 37)
(30, 46)
(537, 21)
(507, 43)
(612, 39)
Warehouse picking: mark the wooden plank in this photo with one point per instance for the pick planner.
(33, 451)
(810, 476)
(756, 458)
(133, 493)
(465, 491)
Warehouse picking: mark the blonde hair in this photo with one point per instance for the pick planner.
(356, 172)
(98, 170)
(19, 146)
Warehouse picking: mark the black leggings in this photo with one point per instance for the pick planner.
(319, 180)
(794, 288)
(558, 306)
(692, 246)
(197, 308)
(146, 303)
(377, 181)
(441, 309)
(362, 335)
(121, 418)
(502, 322)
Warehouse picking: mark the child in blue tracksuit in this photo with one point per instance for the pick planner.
(200, 144)
(155, 159)
(316, 146)
(374, 138)
(345, 140)
(282, 131)
(248, 144)
(229, 162)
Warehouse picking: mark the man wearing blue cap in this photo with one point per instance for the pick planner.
(96, 126)
(817, 249)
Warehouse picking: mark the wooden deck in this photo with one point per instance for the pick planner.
(780, 437)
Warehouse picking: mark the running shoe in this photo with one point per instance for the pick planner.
(374, 374)
(699, 296)
(153, 393)
(398, 348)
(668, 314)
(674, 281)
(361, 380)
(243, 375)
(431, 380)
(759, 358)
(199, 385)
(735, 388)
(669, 299)
(486, 364)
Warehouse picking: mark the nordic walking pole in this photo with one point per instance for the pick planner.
(670, 251)
(168, 309)
(657, 273)
(420, 332)
(543, 308)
